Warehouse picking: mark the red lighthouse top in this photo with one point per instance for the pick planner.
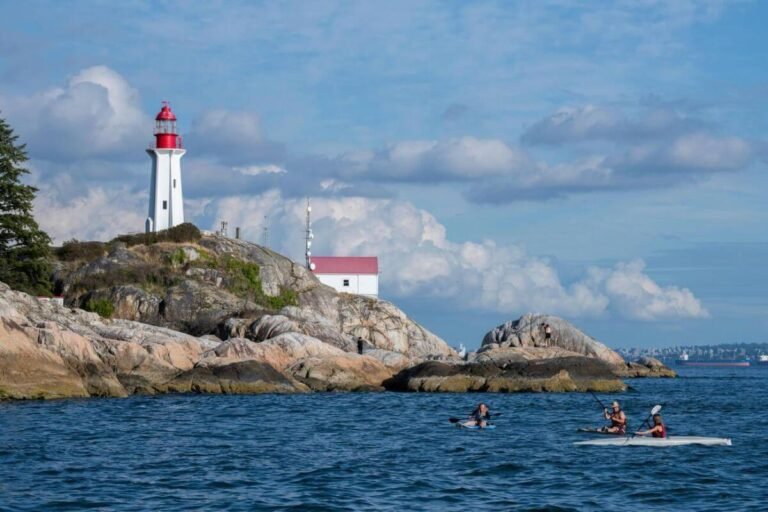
(166, 136)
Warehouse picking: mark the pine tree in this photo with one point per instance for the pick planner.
(24, 247)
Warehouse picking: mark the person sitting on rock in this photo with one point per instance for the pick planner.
(618, 419)
(479, 417)
(658, 429)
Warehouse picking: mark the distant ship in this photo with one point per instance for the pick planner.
(684, 360)
(763, 359)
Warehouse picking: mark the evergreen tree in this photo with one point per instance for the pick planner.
(24, 247)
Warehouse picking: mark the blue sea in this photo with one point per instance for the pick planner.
(385, 451)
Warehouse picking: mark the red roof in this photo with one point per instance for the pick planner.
(345, 264)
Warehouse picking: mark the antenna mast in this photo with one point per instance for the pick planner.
(308, 236)
(266, 232)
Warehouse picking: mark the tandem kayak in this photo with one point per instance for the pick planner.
(657, 441)
(598, 431)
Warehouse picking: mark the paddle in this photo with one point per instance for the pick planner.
(598, 400)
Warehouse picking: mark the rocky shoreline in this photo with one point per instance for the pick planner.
(226, 316)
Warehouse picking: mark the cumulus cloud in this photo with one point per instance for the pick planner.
(96, 114)
(97, 214)
(458, 159)
(419, 260)
(639, 297)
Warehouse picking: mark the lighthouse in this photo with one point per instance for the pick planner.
(166, 203)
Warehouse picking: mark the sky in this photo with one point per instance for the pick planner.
(600, 161)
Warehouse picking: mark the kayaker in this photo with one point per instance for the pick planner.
(479, 417)
(658, 429)
(618, 419)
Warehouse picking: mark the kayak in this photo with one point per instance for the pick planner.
(597, 431)
(657, 441)
(475, 427)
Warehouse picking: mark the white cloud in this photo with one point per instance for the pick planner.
(418, 259)
(639, 297)
(255, 170)
(427, 160)
(96, 114)
(99, 214)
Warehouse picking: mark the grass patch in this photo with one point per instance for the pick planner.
(186, 232)
(245, 281)
(103, 307)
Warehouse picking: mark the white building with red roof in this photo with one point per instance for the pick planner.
(351, 274)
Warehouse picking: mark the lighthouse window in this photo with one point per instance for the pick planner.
(174, 183)
(165, 205)
(346, 282)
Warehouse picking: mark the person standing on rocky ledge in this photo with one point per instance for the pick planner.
(360, 345)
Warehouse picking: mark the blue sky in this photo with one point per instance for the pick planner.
(605, 162)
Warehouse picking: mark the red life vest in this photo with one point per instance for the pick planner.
(663, 432)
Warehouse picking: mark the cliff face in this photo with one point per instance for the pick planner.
(219, 284)
(50, 351)
(216, 315)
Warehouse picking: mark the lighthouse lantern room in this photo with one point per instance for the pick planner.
(166, 202)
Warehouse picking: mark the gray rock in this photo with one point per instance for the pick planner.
(526, 332)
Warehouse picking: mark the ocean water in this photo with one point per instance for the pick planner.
(385, 451)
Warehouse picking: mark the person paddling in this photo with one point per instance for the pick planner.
(658, 429)
(479, 417)
(618, 419)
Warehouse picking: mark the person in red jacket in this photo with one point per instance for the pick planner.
(658, 429)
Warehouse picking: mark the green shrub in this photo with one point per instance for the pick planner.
(243, 276)
(177, 258)
(287, 297)
(147, 276)
(186, 232)
(245, 281)
(103, 307)
(75, 250)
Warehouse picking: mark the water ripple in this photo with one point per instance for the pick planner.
(382, 452)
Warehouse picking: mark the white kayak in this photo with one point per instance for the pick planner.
(657, 441)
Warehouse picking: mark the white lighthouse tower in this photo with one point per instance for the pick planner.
(166, 202)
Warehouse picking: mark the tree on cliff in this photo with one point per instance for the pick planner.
(24, 247)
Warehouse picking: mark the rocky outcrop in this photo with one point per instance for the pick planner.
(243, 377)
(646, 367)
(233, 288)
(517, 356)
(527, 332)
(562, 374)
(49, 351)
